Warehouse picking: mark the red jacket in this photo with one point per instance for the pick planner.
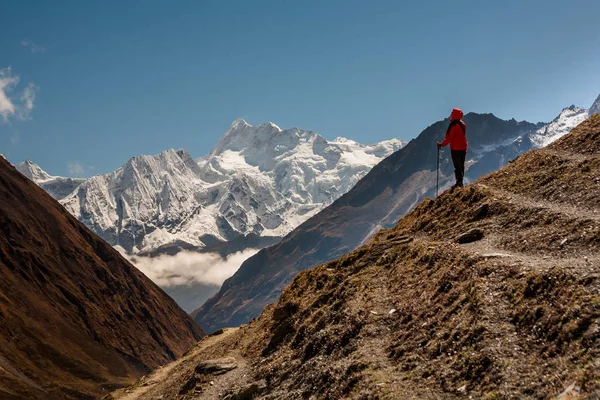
(456, 134)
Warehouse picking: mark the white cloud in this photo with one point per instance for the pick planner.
(9, 107)
(79, 170)
(32, 46)
(28, 96)
(75, 169)
(187, 267)
(7, 83)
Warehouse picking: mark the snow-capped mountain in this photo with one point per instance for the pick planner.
(258, 180)
(303, 166)
(57, 186)
(490, 156)
(568, 119)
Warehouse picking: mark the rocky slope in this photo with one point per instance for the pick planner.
(390, 189)
(509, 310)
(76, 319)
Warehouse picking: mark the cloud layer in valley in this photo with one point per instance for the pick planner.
(187, 268)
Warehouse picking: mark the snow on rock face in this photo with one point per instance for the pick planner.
(57, 186)
(301, 165)
(148, 196)
(257, 180)
(33, 171)
(568, 119)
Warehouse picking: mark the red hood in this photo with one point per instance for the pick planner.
(456, 114)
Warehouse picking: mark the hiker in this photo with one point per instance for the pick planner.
(456, 135)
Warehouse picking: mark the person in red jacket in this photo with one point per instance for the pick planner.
(456, 136)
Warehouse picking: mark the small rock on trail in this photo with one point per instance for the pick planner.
(469, 236)
(216, 367)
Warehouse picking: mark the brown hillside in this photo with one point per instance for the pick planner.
(416, 315)
(76, 319)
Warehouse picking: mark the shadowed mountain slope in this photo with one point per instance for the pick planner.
(76, 319)
(421, 312)
(387, 192)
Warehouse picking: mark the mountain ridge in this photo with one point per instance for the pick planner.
(390, 189)
(76, 319)
(258, 180)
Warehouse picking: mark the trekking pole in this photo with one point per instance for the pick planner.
(437, 184)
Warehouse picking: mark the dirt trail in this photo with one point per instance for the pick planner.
(569, 155)
(487, 249)
(166, 382)
(570, 210)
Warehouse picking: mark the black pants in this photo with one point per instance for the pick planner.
(458, 159)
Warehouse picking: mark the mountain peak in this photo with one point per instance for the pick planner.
(271, 125)
(568, 119)
(595, 108)
(571, 110)
(341, 139)
(163, 155)
(242, 136)
(239, 123)
(33, 171)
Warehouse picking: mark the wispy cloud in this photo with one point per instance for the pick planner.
(189, 267)
(19, 108)
(77, 169)
(14, 138)
(35, 48)
(7, 83)
(28, 96)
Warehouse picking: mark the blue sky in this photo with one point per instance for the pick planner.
(86, 85)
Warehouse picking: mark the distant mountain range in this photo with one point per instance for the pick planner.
(256, 185)
(387, 192)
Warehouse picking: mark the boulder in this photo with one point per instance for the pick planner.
(216, 367)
